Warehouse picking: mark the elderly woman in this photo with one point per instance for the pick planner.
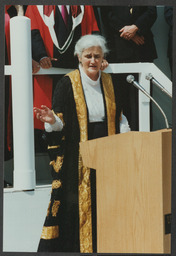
(84, 107)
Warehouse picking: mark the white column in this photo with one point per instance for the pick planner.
(22, 103)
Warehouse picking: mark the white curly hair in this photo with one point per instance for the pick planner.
(88, 41)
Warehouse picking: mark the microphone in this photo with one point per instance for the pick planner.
(130, 79)
(155, 82)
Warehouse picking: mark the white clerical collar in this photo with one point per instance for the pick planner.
(87, 79)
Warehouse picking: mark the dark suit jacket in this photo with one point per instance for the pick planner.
(168, 14)
(116, 17)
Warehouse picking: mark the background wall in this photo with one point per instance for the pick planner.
(160, 30)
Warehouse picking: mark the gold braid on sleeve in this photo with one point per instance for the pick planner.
(57, 165)
(60, 115)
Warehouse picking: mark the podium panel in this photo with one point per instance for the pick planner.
(133, 184)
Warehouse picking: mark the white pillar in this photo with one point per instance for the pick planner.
(22, 103)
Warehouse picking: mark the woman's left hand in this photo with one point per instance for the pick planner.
(104, 64)
(139, 40)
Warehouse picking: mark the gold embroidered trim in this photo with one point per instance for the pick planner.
(58, 163)
(48, 210)
(85, 216)
(60, 115)
(81, 108)
(56, 184)
(55, 208)
(51, 147)
(110, 102)
(50, 232)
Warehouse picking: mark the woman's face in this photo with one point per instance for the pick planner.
(91, 61)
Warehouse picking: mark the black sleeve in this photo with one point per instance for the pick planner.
(38, 47)
(146, 20)
(61, 93)
(60, 100)
(109, 18)
(114, 18)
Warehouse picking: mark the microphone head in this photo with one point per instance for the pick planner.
(130, 78)
(149, 76)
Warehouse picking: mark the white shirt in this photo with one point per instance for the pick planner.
(93, 97)
(95, 105)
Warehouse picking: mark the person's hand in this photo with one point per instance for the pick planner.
(139, 40)
(35, 66)
(104, 64)
(128, 32)
(44, 114)
(46, 62)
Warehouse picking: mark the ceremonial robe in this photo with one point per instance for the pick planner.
(68, 225)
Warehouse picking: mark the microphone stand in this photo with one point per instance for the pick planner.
(130, 79)
(155, 82)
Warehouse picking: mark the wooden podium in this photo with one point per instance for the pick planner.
(133, 176)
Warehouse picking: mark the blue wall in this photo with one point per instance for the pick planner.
(160, 30)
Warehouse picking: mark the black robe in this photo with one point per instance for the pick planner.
(69, 226)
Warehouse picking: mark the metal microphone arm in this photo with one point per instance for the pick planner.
(155, 82)
(130, 79)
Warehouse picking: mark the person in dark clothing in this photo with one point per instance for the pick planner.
(130, 39)
(8, 111)
(128, 32)
(84, 107)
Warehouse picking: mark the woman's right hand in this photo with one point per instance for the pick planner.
(45, 114)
